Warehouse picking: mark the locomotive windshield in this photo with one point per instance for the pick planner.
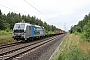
(19, 26)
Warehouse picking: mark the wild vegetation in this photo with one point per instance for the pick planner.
(6, 39)
(73, 48)
(82, 28)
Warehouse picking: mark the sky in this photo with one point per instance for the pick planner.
(60, 13)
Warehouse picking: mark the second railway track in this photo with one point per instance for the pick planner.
(9, 45)
(14, 51)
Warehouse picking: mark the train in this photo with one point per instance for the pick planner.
(29, 32)
(59, 31)
(25, 31)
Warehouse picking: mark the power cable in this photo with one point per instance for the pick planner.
(15, 6)
(36, 8)
(9, 8)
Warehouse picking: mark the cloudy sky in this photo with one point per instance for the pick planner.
(60, 13)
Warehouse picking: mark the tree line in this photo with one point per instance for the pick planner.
(83, 27)
(8, 21)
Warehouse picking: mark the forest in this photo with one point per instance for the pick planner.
(7, 21)
(82, 28)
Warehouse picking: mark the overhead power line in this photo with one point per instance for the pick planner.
(36, 9)
(9, 8)
(15, 6)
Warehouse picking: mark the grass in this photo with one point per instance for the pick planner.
(6, 36)
(6, 39)
(73, 48)
(85, 47)
(5, 32)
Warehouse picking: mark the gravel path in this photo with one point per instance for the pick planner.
(43, 52)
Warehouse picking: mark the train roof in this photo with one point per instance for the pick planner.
(37, 26)
(23, 23)
(30, 24)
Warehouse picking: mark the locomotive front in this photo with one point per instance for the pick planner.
(19, 31)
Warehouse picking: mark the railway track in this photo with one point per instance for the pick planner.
(11, 52)
(9, 45)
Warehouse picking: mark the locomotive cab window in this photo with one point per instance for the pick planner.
(19, 26)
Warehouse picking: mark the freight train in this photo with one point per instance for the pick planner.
(59, 31)
(26, 31)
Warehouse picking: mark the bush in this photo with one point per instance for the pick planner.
(5, 32)
(73, 54)
(85, 36)
(76, 33)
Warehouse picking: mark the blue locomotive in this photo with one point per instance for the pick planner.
(26, 31)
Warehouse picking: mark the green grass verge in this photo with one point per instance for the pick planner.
(5, 32)
(73, 49)
(6, 36)
(6, 39)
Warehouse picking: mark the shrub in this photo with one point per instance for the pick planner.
(5, 32)
(74, 54)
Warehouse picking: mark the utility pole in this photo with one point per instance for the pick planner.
(64, 26)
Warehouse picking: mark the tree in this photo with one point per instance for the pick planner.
(8, 21)
(86, 30)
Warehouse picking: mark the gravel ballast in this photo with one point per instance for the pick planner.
(42, 53)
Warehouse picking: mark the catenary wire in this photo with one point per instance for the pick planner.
(16, 7)
(9, 8)
(36, 8)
